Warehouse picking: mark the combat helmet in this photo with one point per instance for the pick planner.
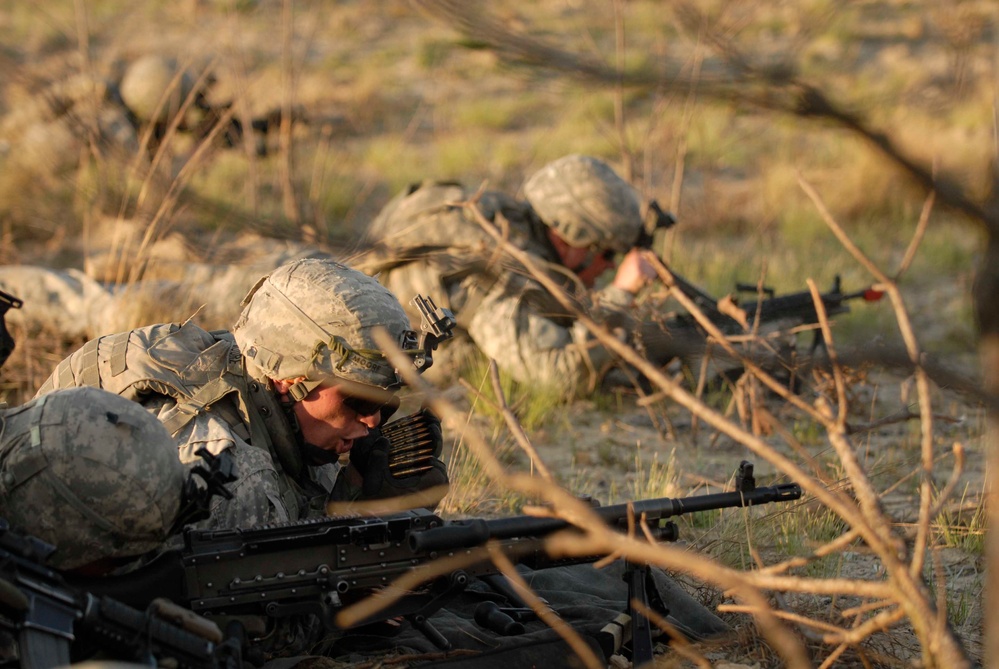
(154, 88)
(316, 318)
(586, 203)
(90, 472)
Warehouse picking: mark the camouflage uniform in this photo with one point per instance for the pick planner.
(424, 241)
(212, 390)
(90, 473)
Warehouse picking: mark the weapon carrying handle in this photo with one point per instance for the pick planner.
(460, 534)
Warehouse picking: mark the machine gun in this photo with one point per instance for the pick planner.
(53, 623)
(319, 567)
(799, 308)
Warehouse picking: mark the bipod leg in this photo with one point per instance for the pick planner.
(818, 343)
(421, 623)
(636, 576)
(420, 620)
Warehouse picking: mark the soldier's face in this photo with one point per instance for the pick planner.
(330, 419)
(588, 264)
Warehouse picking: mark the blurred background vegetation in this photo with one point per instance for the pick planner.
(385, 94)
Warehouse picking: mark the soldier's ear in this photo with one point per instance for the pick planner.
(283, 385)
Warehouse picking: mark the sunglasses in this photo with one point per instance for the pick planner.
(365, 406)
(592, 255)
(607, 255)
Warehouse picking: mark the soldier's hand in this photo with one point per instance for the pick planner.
(381, 483)
(634, 272)
(406, 464)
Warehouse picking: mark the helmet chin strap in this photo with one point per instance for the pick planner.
(300, 389)
(287, 406)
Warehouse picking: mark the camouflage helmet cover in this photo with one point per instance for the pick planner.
(315, 318)
(586, 202)
(155, 88)
(90, 472)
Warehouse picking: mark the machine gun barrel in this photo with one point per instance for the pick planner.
(465, 534)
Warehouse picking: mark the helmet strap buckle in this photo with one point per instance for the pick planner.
(300, 390)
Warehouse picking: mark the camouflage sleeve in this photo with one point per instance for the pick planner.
(611, 300)
(257, 492)
(534, 348)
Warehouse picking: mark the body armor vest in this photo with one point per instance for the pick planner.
(200, 371)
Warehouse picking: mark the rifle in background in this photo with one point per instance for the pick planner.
(799, 308)
(681, 335)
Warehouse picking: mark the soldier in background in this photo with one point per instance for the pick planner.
(51, 125)
(296, 384)
(159, 95)
(47, 130)
(577, 216)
